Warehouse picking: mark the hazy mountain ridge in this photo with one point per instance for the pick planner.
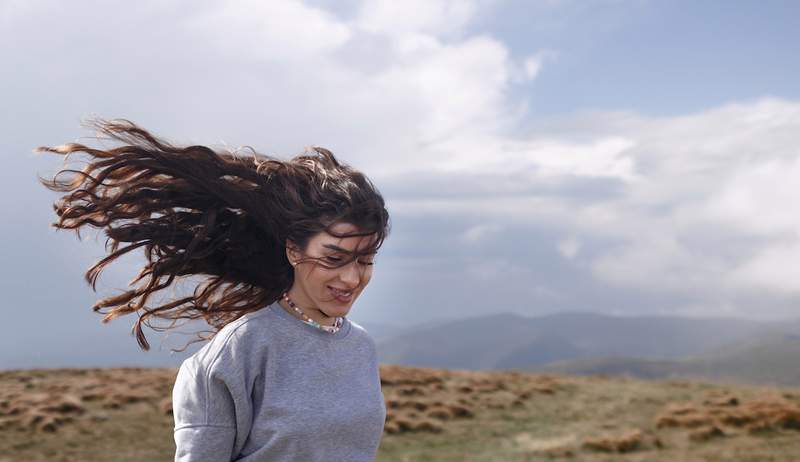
(773, 361)
(585, 343)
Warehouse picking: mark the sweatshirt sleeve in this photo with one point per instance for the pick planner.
(205, 414)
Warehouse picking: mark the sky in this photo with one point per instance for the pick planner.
(624, 157)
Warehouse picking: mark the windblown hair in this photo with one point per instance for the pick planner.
(212, 213)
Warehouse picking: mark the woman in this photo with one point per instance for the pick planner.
(285, 247)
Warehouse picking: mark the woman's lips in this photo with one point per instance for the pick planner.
(341, 295)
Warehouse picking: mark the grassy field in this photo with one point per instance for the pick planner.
(432, 415)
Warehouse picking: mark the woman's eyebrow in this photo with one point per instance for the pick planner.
(336, 248)
(339, 249)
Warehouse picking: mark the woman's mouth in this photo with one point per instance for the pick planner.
(341, 295)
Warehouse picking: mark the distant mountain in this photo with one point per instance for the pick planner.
(769, 359)
(475, 343)
(383, 331)
(625, 366)
(510, 341)
(773, 359)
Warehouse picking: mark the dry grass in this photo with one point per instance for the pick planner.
(432, 415)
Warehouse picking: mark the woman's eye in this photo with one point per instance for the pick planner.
(337, 260)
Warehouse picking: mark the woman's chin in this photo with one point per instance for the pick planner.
(339, 311)
(336, 308)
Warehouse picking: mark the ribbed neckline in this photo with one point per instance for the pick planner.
(340, 334)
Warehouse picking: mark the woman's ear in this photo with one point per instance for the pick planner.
(291, 252)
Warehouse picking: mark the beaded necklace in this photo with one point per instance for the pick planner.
(337, 324)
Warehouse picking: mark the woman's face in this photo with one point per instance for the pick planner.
(331, 290)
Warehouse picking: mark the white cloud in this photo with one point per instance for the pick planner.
(396, 80)
(532, 65)
(699, 205)
(9, 9)
(703, 208)
(760, 197)
(480, 231)
(569, 247)
(605, 157)
(456, 87)
(775, 269)
(278, 29)
(432, 17)
(713, 208)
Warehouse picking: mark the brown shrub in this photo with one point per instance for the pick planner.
(7, 423)
(544, 389)
(427, 425)
(64, 404)
(40, 411)
(722, 401)
(558, 452)
(693, 420)
(680, 408)
(92, 395)
(392, 374)
(403, 424)
(411, 391)
(738, 419)
(44, 422)
(629, 441)
(440, 412)
(757, 428)
(119, 397)
(391, 427)
(416, 404)
(165, 406)
(758, 416)
(412, 421)
(459, 410)
(706, 433)
(788, 418)
(57, 388)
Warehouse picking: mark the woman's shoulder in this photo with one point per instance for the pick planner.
(241, 334)
(358, 327)
(358, 330)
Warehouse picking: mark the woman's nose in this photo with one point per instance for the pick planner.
(350, 274)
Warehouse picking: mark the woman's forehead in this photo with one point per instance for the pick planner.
(327, 241)
(343, 227)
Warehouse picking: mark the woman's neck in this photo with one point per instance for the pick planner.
(312, 313)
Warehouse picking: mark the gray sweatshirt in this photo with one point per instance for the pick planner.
(269, 387)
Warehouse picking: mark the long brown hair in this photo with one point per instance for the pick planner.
(217, 214)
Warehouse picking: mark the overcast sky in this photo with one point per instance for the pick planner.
(614, 156)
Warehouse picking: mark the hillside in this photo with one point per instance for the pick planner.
(432, 415)
(511, 341)
(768, 360)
